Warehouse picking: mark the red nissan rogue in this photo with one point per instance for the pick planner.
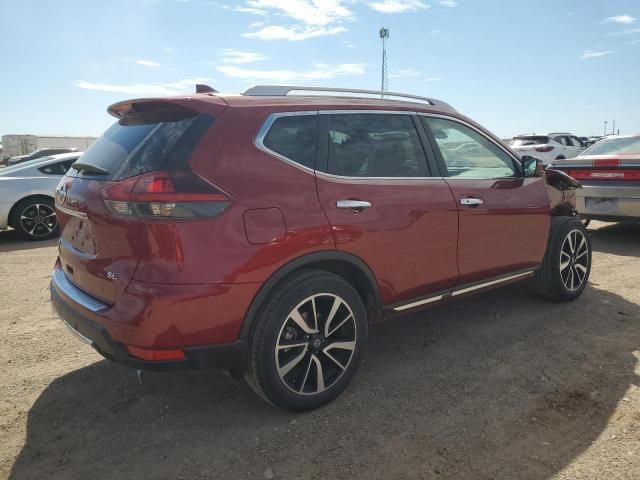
(262, 233)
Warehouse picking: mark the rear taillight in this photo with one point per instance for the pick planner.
(178, 194)
(587, 174)
(546, 148)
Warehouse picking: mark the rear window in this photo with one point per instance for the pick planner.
(129, 150)
(529, 140)
(615, 146)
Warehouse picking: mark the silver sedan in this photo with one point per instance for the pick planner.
(609, 172)
(27, 195)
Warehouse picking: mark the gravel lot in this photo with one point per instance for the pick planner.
(497, 386)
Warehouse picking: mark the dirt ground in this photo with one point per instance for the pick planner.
(497, 386)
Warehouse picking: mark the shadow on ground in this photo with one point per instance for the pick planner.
(11, 241)
(617, 238)
(498, 386)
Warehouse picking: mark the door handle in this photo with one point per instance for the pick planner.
(471, 201)
(353, 204)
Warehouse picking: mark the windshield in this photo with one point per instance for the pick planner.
(614, 146)
(21, 165)
(529, 140)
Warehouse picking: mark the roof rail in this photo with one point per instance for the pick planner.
(283, 90)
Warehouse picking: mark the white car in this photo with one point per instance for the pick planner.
(554, 146)
(27, 195)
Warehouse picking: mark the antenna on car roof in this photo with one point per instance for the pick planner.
(206, 89)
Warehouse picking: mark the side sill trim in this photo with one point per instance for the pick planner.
(493, 282)
(461, 290)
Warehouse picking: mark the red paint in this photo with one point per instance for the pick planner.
(178, 283)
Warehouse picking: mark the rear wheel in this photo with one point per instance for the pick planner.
(308, 341)
(35, 219)
(565, 269)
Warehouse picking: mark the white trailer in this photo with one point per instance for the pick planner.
(14, 145)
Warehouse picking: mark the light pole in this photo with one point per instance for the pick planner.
(605, 128)
(384, 83)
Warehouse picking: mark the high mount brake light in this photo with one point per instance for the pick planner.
(178, 194)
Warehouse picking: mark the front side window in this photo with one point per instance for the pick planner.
(374, 145)
(468, 154)
(294, 137)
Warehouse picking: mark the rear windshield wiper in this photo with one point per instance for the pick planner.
(90, 169)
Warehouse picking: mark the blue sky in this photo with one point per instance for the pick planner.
(514, 66)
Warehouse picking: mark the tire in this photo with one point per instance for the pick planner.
(289, 378)
(565, 270)
(35, 218)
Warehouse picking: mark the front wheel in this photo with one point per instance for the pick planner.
(308, 341)
(565, 269)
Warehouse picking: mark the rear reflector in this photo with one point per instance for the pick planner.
(156, 355)
(605, 174)
(179, 194)
(546, 148)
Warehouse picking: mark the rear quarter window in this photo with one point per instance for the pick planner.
(294, 137)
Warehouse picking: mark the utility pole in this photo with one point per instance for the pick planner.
(613, 129)
(605, 128)
(384, 84)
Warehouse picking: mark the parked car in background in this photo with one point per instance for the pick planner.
(609, 172)
(26, 195)
(43, 152)
(553, 146)
(262, 233)
(14, 145)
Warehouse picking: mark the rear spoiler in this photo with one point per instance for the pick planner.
(149, 110)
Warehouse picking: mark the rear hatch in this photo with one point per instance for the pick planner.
(531, 144)
(138, 170)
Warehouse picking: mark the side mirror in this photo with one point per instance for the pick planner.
(532, 166)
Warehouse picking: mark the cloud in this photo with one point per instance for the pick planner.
(147, 63)
(309, 12)
(397, 6)
(292, 33)
(628, 31)
(320, 71)
(595, 54)
(409, 72)
(432, 79)
(448, 3)
(623, 19)
(162, 89)
(634, 42)
(237, 57)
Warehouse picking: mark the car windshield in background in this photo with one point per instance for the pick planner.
(532, 140)
(615, 146)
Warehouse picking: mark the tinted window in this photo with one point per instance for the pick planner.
(467, 153)
(373, 145)
(294, 137)
(129, 150)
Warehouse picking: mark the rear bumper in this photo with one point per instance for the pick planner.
(609, 202)
(93, 328)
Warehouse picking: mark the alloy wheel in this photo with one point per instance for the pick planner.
(315, 344)
(38, 220)
(574, 260)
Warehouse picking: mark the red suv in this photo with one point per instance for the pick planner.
(262, 233)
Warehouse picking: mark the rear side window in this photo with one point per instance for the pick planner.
(375, 145)
(59, 168)
(129, 150)
(294, 137)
